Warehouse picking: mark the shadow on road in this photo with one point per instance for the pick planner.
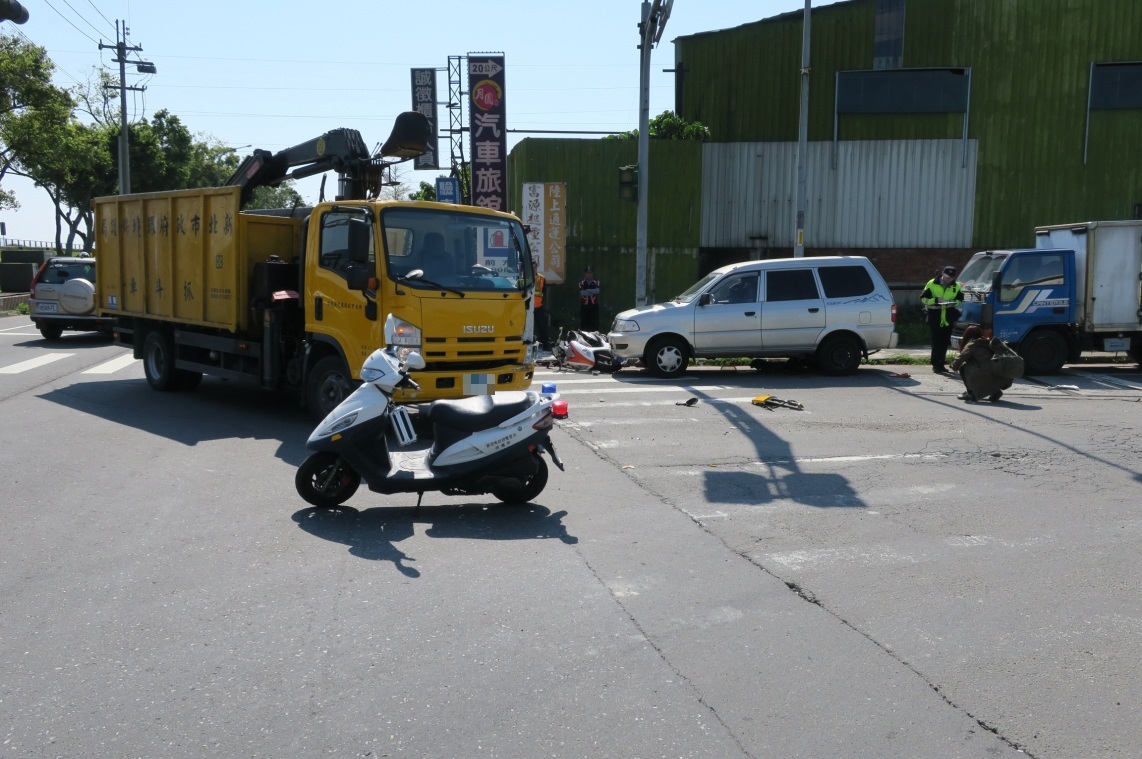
(372, 534)
(217, 410)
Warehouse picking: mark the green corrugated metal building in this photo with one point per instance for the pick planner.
(1050, 92)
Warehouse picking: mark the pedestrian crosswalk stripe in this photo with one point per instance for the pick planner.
(34, 363)
(114, 365)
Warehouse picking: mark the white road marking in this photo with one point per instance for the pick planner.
(114, 365)
(34, 363)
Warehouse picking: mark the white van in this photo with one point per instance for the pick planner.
(835, 309)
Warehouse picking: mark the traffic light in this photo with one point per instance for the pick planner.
(628, 182)
(10, 10)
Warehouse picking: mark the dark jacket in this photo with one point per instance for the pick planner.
(976, 367)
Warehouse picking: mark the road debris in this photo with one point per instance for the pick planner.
(687, 402)
(770, 402)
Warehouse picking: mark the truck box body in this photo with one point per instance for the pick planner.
(186, 257)
(1108, 260)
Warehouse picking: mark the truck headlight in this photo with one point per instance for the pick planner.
(625, 325)
(406, 335)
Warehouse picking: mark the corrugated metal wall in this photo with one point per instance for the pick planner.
(1030, 62)
(881, 194)
(601, 226)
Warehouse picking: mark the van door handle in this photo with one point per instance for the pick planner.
(814, 310)
(750, 313)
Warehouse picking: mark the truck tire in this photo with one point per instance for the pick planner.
(158, 361)
(329, 383)
(1043, 352)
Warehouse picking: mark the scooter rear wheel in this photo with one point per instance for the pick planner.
(532, 486)
(325, 480)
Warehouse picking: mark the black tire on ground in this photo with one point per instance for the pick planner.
(51, 332)
(1043, 352)
(187, 380)
(839, 355)
(328, 384)
(1136, 353)
(532, 486)
(158, 362)
(324, 480)
(667, 357)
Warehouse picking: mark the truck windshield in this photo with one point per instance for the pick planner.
(456, 250)
(978, 274)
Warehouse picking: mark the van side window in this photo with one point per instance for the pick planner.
(790, 284)
(845, 281)
(736, 289)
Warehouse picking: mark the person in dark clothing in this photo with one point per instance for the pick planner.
(589, 301)
(540, 299)
(941, 297)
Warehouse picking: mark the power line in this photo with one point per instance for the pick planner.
(99, 12)
(81, 16)
(68, 20)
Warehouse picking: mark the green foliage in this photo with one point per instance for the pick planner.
(668, 126)
(23, 309)
(282, 196)
(426, 192)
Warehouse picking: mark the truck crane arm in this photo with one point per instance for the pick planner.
(340, 150)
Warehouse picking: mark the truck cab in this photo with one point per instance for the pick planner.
(1024, 297)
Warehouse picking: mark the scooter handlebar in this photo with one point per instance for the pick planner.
(408, 381)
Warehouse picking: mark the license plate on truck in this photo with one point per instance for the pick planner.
(479, 384)
(47, 308)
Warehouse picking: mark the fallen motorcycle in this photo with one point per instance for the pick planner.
(582, 350)
(486, 444)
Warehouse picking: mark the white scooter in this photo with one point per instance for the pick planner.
(485, 444)
(582, 350)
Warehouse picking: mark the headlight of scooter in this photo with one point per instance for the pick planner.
(341, 424)
(371, 375)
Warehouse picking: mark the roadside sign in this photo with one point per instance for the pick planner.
(448, 190)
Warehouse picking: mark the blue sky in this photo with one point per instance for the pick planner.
(254, 73)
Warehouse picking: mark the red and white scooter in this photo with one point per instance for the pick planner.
(583, 351)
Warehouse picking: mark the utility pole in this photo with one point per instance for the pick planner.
(650, 32)
(143, 67)
(803, 139)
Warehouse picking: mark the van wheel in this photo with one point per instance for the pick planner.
(329, 384)
(158, 362)
(667, 357)
(1043, 352)
(51, 332)
(839, 355)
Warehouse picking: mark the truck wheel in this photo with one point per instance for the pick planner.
(839, 355)
(1136, 352)
(1043, 352)
(158, 361)
(667, 357)
(51, 332)
(325, 480)
(329, 384)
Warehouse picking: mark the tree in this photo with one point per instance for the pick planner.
(25, 87)
(281, 196)
(426, 192)
(668, 126)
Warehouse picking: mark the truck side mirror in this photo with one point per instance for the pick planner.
(359, 240)
(357, 278)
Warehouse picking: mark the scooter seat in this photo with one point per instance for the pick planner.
(480, 412)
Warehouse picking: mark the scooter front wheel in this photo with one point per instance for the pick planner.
(325, 480)
(532, 485)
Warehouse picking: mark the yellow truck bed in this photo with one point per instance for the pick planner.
(185, 256)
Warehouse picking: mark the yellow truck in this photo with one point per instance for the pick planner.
(298, 299)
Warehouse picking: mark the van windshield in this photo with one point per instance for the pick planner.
(696, 288)
(981, 270)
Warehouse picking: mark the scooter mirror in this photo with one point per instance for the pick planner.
(414, 361)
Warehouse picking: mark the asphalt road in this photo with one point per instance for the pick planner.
(888, 573)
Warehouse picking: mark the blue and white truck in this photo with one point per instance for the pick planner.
(1078, 289)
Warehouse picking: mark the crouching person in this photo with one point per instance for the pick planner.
(981, 375)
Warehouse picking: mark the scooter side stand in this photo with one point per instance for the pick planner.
(549, 449)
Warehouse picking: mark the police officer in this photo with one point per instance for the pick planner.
(942, 289)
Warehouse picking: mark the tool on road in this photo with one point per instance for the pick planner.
(770, 402)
